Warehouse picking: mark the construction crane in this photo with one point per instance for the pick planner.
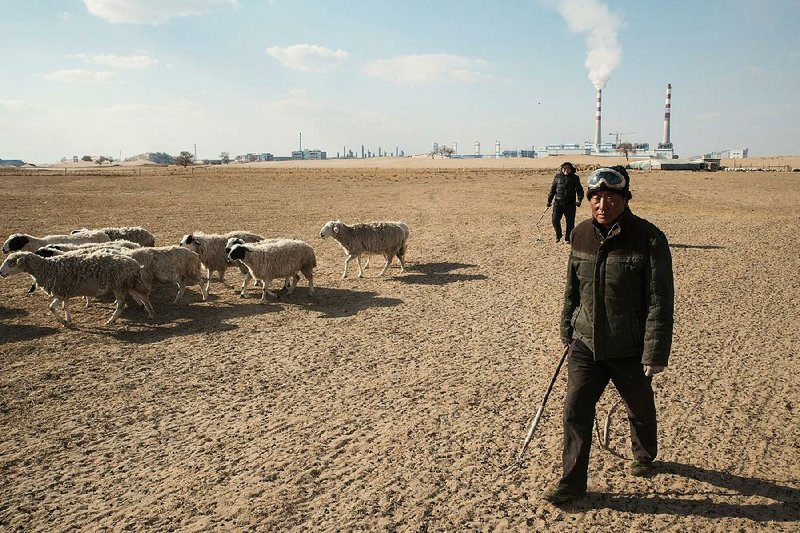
(616, 135)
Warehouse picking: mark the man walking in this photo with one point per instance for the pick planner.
(565, 195)
(617, 319)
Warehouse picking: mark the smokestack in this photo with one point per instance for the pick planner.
(597, 121)
(667, 109)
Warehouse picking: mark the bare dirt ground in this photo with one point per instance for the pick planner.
(395, 403)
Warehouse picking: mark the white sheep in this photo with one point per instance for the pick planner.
(385, 238)
(169, 264)
(135, 234)
(211, 249)
(22, 242)
(280, 259)
(69, 275)
(57, 249)
(233, 241)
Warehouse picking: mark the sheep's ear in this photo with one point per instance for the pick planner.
(336, 227)
(197, 241)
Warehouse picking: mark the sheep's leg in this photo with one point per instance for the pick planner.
(87, 300)
(347, 263)
(65, 306)
(117, 311)
(292, 283)
(33, 287)
(142, 299)
(308, 272)
(366, 265)
(53, 309)
(222, 279)
(388, 261)
(203, 290)
(402, 263)
(244, 283)
(181, 288)
(265, 291)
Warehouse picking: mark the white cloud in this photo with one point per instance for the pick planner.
(78, 75)
(308, 57)
(14, 105)
(427, 68)
(152, 11)
(114, 61)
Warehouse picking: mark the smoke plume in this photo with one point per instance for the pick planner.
(593, 19)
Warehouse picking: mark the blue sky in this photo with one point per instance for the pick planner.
(104, 77)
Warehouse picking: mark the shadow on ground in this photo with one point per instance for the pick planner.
(438, 274)
(784, 508)
(192, 316)
(23, 332)
(696, 246)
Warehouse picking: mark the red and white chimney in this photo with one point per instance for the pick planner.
(597, 121)
(666, 142)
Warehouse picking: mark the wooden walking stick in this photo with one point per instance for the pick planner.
(538, 228)
(539, 412)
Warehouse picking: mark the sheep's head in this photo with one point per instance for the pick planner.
(15, 243)
(46, 251)
(191, 242)
(233, 241)
(13, 264)
(330, 228)
(237, 252)
(79, 230)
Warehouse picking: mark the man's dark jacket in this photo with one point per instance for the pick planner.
(619, 298)
(566, 189)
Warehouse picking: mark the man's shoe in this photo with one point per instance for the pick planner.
(641, 468)
(559, 494)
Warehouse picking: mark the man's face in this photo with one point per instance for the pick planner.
(566, 171)
(607, 207)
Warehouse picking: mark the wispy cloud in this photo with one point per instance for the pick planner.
(152, 11)
(308, 57)
(427, 68)
(14, 105)
(115, 61)
(78, 75)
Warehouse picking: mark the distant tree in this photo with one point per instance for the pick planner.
(185, 159)
(102, 159)
(86, 158)
(446, 151)
(225, 157)
(626, 149)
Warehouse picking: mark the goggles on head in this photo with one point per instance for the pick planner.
(605, 176)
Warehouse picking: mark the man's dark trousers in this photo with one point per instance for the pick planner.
(585, 384)
(567, 210)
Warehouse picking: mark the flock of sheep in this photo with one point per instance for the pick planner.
(125, 261)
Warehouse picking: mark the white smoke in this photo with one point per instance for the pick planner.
(592, 18)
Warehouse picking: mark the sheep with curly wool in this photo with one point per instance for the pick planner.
(69, 275)
(211, 249)
(233, 241)
(58, 249)
(385, 238)
(169, 264)
(280, 259)
(22, 242)
(135, 234)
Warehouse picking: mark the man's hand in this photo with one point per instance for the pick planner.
(548, 204)
(577, 204)
(651, 370)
